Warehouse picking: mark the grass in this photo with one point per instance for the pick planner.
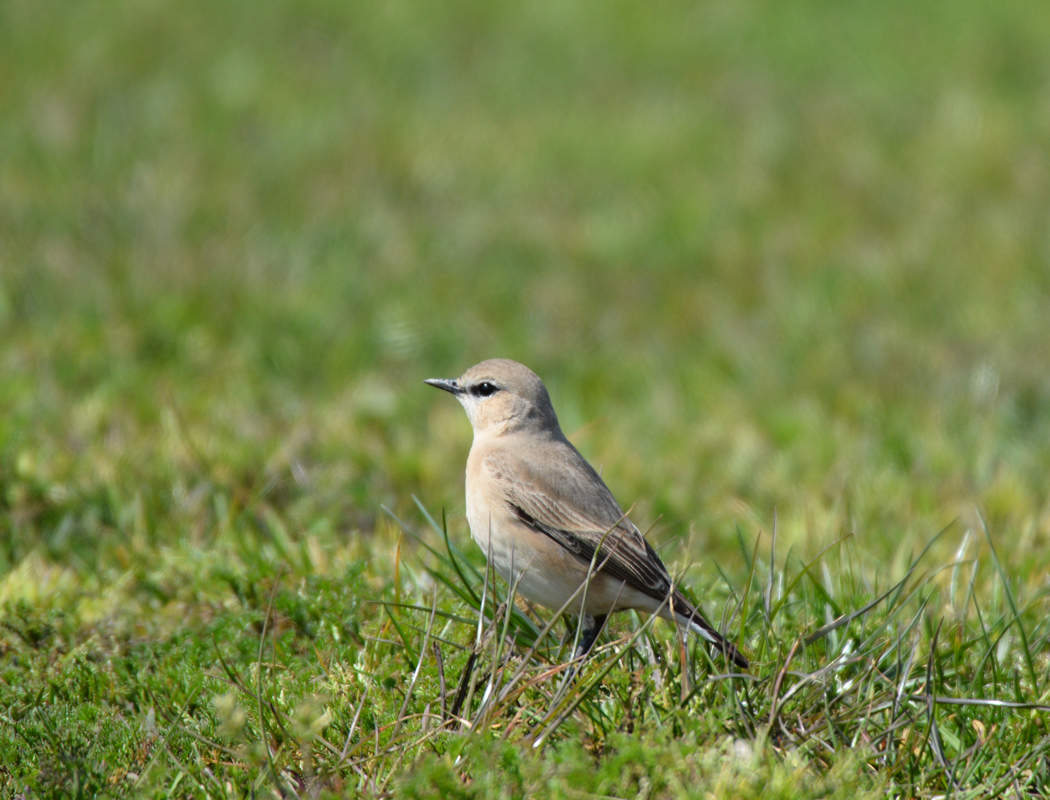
(782, 266)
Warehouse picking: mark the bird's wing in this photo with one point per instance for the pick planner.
(559, 494)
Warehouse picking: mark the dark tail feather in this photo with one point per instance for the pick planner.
(731, 652)
(701, 627)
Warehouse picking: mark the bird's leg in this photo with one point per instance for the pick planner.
(592, 627)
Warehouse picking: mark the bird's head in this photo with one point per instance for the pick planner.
(500, 395)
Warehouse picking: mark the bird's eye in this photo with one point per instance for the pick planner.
(485, 389)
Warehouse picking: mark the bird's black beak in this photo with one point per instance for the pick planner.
(450, 385)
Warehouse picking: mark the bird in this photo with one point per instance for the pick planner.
(545, 518)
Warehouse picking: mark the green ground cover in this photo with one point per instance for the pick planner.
(785, 267)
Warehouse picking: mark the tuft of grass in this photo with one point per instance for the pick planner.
(905, 687)
(916, 684)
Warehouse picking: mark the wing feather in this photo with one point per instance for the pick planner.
(568, 501)
(554, 491)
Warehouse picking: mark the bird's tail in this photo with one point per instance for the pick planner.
(694, 620)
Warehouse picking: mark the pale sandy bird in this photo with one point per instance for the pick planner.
(542, 515)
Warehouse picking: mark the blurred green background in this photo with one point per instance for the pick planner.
(769, 257)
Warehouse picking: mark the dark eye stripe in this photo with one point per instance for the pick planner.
(484, 389)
